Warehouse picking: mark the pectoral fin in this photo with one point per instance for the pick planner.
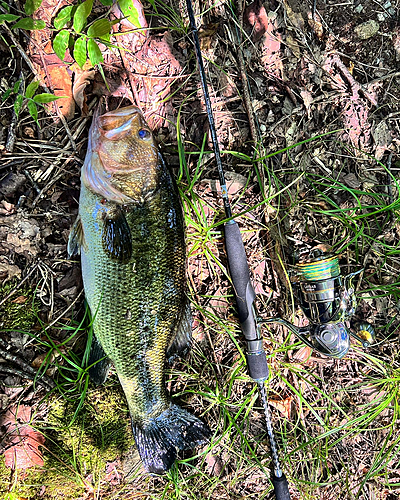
(98, 362)
(182, 341)
(117, 240)
(76, 238)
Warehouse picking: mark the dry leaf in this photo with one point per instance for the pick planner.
(81, 81)
(52, 70)
(284, 406)
(20, 300)
(21, 442)
(382, 137)
(8, 271)
(214, 464)
(303, 354)
(256, 17)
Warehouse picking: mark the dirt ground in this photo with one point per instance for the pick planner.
(306, 102)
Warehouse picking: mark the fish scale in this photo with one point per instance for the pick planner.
(153, 265)
(133, 260)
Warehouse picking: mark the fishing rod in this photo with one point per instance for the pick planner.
(242, 287)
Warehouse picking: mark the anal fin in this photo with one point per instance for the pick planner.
(181, 342)
(98, 362)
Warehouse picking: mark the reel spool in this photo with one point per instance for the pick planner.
(328, 301)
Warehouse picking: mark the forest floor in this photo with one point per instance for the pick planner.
(306, 103)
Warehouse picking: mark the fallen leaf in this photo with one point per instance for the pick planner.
(303, 354)
(8, 271)
(382, 138)
(214, 464)
(256, 17)
(284, 406)
(54, 72)
(21, 442)
(82, 79)
(40, 358)
(20, 300)
(352, 181)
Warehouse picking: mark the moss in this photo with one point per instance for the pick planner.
(17, 316)
(76, 451)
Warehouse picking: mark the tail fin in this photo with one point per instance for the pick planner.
(158, 440)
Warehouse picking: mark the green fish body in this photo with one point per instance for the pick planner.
(130, 232)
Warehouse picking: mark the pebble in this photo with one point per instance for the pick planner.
(367, 30)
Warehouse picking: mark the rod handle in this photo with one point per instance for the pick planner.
(281, 487)
(240, 275)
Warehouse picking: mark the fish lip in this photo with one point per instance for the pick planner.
(98, 115)
(115, 125)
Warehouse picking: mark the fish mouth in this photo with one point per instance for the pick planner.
(117, 124)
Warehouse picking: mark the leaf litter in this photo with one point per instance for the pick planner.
(309, 73)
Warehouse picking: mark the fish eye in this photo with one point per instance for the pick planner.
(144, 134)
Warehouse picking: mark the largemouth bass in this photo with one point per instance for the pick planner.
(130, 233)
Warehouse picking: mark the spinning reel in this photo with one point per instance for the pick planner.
(328, 301)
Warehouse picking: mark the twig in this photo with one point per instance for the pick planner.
(31, 180)
(30, 376)
(58, 160)
(42, 83)
(65, 311)
(247, 98)
(49, 184)
(27, 369)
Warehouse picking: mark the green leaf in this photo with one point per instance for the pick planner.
(27, 23)
(32, 5)
(100, 67)
(60, 43)
(80, 50)
(130, 11)
(17, 86)
(18, 104)
(63, 17)
(44, 98)
(107, 3)
(95, 55)
(99, 28)
(82, 13)
(8, 17)
(31, 89)
(6, 95)
(33, 111)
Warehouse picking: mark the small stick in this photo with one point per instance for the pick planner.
(27, 368)
(30, 376)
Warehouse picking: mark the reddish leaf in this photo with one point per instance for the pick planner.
(284, 406)
(21, 441)
(256, 16)
(20, 300)
(82, 79)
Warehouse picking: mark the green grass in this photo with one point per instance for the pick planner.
(332, 422)
(338, 440)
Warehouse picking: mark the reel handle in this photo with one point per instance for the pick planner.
(245, 295)
(242, 287)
